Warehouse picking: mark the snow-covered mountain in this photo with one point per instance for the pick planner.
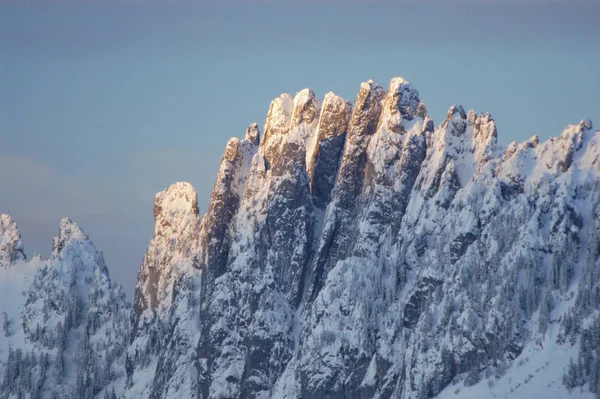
(65, 325)
(353, 250)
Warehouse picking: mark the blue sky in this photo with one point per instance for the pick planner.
(102, 104)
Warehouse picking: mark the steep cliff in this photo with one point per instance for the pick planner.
(355, 250)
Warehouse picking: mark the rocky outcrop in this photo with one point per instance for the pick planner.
(324, 156)
(176, 223)
(168, 276)
(11, 247)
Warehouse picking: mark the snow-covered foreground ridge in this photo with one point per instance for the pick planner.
(65, 326)
(351, 250)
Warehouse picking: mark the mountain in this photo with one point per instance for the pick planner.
(351, 250)
(65, 325)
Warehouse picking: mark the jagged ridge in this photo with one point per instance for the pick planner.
(327, 245)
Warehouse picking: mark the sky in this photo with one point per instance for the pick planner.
(103, 104)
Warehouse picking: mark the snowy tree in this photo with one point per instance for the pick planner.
(5, 324)
(545, 311)
(472, 377)
(571, 377)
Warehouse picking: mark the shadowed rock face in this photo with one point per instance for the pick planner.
(328, 147)
(363, 123)
(332, 241)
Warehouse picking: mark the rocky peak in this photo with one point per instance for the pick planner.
(66, 311)
(68, 230)
(228, 190)
(278, 116)
(406, 98)
(533, 141)
(481, 139)
(362, 125)
(252, 134)
(513, 147)
(176, 222)
(459, 111)
(173, 209)
(367, 108)
(457, 120)
(575, 133)
(296, 146)
(276, 125)
(457, 151)
(485, 130)
(586, 124)
(306, 108)
(335, 114)
(232, 149)
(11, 247)
(481, 128)
(559, 152)
(401, 127)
